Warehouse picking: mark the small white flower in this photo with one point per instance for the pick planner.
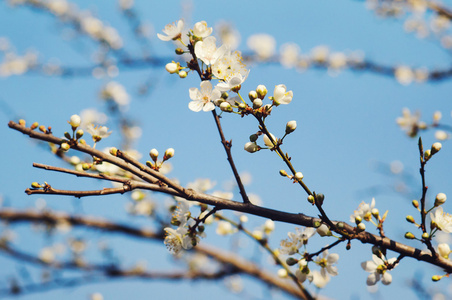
(409, 122)
(318, 279)
(98, 132)
(378, 269)
(324, 230)
(291, 126)
(326, 262)
(172, 31)
(202, 99)
(201, 30)
(207, 51)
(232, 81)
(444, 250)
(230, 63)
(364, 211)
(442, 220)
(177, 239)
(289, 55)
(225, 228)
(75, 121)
(281, 96)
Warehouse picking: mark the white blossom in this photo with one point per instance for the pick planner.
(232, 81)
(173, 31)
(378, 270)
(364, 211)
(327, 262)
(177, 239)
(207, 51)
(263, 44)
(442, 220)
(201, 30)
(202, 99)
(281, 95)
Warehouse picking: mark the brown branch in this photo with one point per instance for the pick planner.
(290, 218)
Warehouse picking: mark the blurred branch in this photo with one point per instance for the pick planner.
(238, 264)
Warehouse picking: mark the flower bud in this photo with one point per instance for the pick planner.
(410, 219)
(291, 261)
(444, 250)
(425, 236)
(75, 121)
(179, 51)
(242, 106)
(225, 106)
(67, 135)
(283, 173)
(282, 273)
(172, 67)
(168, 154)
(440, 199)
(154, 154)
(261, 91)
(257, 103)
(251, 147)
(415, 203)
(436, 147)
(43, 128)
(35, 185)
(298, 176)
(183, 74)
(22, 122)
(323, 230)
(427, 154)
(361, 227)
(253, 137)
(377, 251)
(113, 151)
(358, 219)
(65, 146)
(34, 125)
(375, 213)
(79, 134)
(86, 166)
(252, 95)
(291, 126)
(436, 278)
(409, 236)
(311, 199)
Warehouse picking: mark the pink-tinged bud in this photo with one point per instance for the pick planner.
(154, 154)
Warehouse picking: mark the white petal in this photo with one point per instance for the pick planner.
(369, 266)
(193, 92)
(206, 87)
(195, 105)
(372, 279)
(208, 106)
(332, 258)
(387, 278)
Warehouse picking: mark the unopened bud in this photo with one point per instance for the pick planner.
(67, 135)
(291, 126)
(261, 91)
(79, 134)
(361, 227)
(34, 125)
(409, 236)
(436, 278)
(410, 219)
(179, 51)
(253, 137)
(319, 198)
(377, 251)
(257, 103)
(358, 219)
(43, 128)
(65, 146)
(242, 106)
(251, 147)
(440, 199)
(113, 151)
(172, 67)
(291, 261)
(22, 122)
(436, 147)
(225, 106)
(168, 153)
(375, 213)
(311, 199)
(154, 154)
(298, 176)
(86, 166)
(75, 121)
(35, 185)
(427, 154)
(415, 203)
(283, 173)
(425, 236)
(323, 230)
(444, 250)
(183, 74)
(252, 95)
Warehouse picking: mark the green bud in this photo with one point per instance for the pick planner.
(291, 261)
(311, 199)
(409, 236)
(425, 236)
(67, 135)
(79, 134)
(253, 137)
(410, 219)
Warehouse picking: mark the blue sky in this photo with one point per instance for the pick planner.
(346, 124)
